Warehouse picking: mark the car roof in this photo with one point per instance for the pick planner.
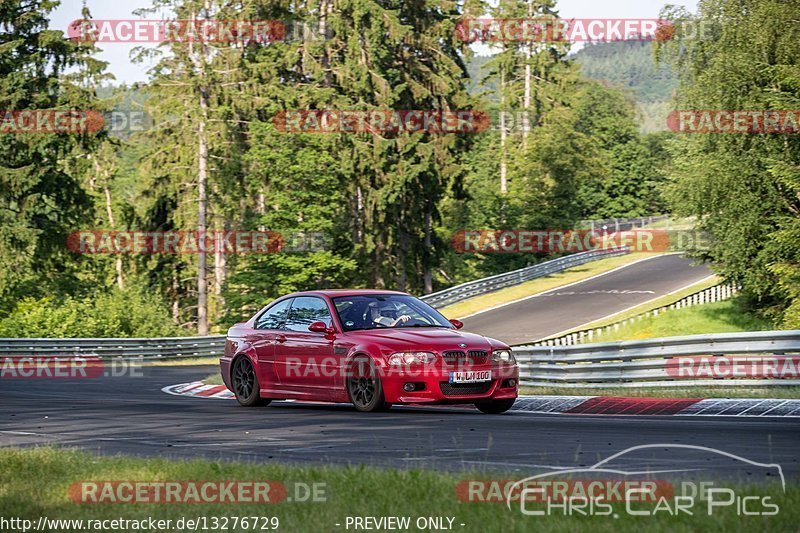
(333, 293)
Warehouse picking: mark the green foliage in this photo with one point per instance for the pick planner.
(303, 190)
(583, 159)
(729, 316)
(41, 196)
(743, 187)
(630, 65)
(387, 203)
(128, 313)
(627, 178)
(268, 277)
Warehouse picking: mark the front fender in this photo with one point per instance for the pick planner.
(235, 348)
(374, 351)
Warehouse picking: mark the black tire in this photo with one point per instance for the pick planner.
(495, 407)
(245, 383)
(364, 387)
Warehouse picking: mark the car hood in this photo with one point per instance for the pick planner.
(426, 338)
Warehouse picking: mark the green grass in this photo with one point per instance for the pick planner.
(669, 392)
(35, 482)
(729, 316)
(517, 292)
(214, 379)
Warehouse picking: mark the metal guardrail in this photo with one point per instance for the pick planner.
(508, 279)
(618, 365)
(157, 348)
(620, 224)
(645, 363)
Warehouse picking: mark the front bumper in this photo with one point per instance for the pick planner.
(225, 371)
(433, 386)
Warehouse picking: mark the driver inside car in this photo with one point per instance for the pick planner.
(377, 316)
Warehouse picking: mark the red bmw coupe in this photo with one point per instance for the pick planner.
(369, 347)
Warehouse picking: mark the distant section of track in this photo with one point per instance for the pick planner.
(569, 307)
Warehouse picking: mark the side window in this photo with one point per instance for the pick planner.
(307, 310)
(274, 317)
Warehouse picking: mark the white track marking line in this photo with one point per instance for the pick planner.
(537, 295)
(612, 315)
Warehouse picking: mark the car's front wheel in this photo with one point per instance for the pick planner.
(245, 383)
(495, 407)
(364, 386)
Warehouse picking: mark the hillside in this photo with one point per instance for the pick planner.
(628, 65)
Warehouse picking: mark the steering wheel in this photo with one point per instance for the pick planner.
(413, 322)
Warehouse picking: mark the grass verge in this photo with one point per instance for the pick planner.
(510, 294)
(669, 392)
(34, 483)
(729, 316)
(214, 379)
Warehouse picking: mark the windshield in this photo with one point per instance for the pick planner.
(383, 311)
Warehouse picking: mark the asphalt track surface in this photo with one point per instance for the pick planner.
(569, 307)
(131, 415)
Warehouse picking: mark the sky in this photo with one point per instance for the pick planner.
(125, 71)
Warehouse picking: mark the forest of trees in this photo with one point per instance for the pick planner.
(743, 188)
(629, 65)
(388, 203)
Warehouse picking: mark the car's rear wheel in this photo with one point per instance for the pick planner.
(495, 407)
(364, 386)
(245, 383)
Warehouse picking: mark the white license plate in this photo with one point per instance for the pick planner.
(477, 376)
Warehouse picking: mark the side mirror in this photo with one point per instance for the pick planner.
(457, 323)
(320, 327)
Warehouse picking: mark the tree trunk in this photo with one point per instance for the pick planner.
(202, 176)
(199, 61)
(220, 270)
(503, 167)
(428, 255)
(377, 267)
(358, 207)
(526, 99)
(176, 305)
(110, 212)
(401, 261)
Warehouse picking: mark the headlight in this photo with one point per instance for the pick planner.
(411, 358)
(503, 356)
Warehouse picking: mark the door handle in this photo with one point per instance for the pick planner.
(280, 339)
